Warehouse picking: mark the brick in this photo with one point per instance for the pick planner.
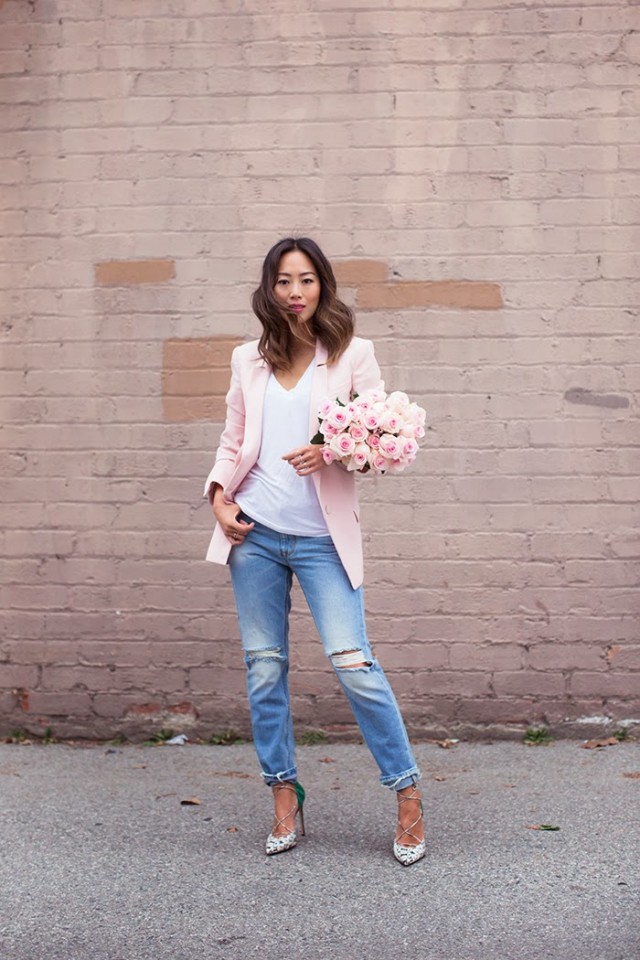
(584, 684)
(18, 675)
(625, 658)
(126, 272)
(459, 294)
(114, 705)
(396, 656)
(488, 711)
(65, 704)
(610, 572)
(206, 679)
(528, 683)
(353, 273)
(466, 656)
(569, 656)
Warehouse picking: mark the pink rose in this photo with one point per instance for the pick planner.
(409, 448)
(390, 422)
(328, 455)
(343, 445)
(357, 432)
(373, 440)
(398, 400)
(328, 430)
(418, 413)
(325, 408)
(379, 463)
(390, 446)
(375, 395)
(339, 417)
(371, 420)
(360, 456)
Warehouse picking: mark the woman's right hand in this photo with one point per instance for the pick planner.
(227, 516)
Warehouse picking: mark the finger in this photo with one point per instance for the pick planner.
(292, 455)
(235, 535)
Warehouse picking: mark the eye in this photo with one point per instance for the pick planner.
(282, 282)
(308, 280)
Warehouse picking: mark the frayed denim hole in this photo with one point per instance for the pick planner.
(358, 660)
(270, 655)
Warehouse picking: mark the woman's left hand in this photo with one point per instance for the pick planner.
(306, 460)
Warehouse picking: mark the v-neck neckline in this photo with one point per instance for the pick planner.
(300, 379)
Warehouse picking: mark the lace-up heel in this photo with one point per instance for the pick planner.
(406, 854)
(278, 844)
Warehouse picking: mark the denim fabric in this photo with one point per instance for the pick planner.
(262, 570)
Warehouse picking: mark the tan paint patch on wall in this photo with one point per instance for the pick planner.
(195, 377)
(351, 273)
(461, 294)
(120, 273)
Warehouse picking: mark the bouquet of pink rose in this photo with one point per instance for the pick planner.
(372, 432)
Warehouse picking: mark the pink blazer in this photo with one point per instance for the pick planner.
(355, 371)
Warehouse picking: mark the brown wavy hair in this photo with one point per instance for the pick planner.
(333, 322)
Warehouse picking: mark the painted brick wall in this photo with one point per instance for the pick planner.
(474, 174)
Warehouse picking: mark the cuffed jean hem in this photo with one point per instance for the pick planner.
(282, 777)
(407, 779)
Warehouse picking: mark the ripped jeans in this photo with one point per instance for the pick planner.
(262, 570)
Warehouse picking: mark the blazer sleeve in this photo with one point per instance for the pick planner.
(366, 372)
(232, 434)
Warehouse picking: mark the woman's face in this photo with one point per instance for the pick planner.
(298, 285)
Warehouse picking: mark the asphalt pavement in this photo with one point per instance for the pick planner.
(101, 860)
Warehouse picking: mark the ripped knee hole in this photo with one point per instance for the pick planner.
(349, 659)
(272, 653)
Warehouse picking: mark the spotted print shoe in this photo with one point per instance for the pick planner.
(280, 843)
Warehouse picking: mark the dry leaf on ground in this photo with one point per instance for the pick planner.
(542, 826)
(592, 744)
(632, 775)
(327, 760)
(439, 777)
(232, 830)
(191, 802)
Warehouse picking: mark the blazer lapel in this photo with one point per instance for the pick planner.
(319, 387)
(254, 406)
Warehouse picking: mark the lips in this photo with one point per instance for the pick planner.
(297, 307)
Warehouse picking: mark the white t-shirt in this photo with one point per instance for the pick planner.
(272, 493)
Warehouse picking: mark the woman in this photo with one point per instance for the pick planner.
(281, 510)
